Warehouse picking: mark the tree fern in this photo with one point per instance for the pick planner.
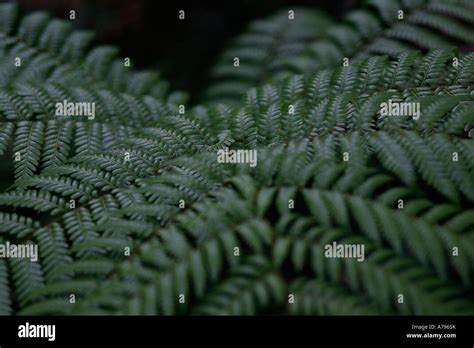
(133, 214)
(425, 25)
(50, 51)
(262, 50)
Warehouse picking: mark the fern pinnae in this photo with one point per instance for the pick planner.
(331, 168)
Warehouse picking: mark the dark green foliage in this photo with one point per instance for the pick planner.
(374, 29)
(143, 176)
(50, 51)
(263, 50)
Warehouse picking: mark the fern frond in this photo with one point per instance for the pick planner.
(51, 51)
(425, 25)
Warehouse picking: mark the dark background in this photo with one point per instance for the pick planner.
(150, 33)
